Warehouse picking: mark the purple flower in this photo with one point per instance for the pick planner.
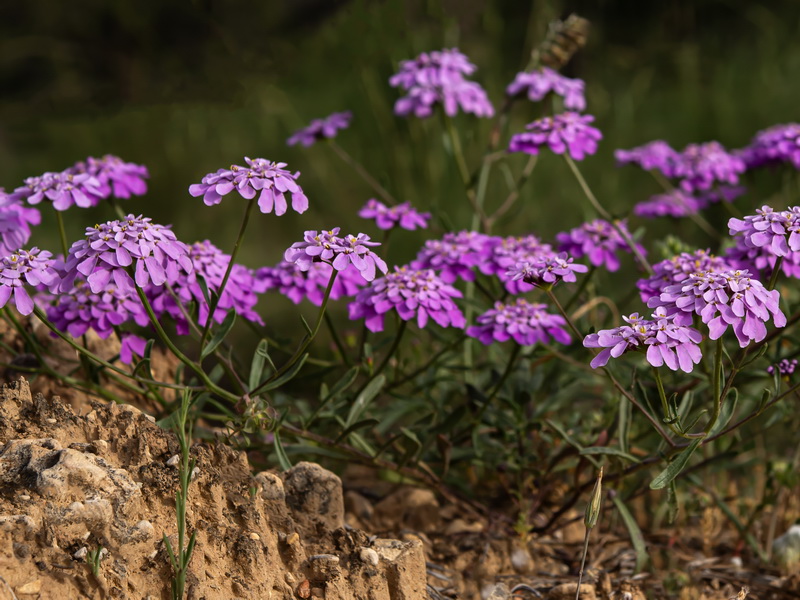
(567, 132)
(116, 177)
(598, 240)
(210, 263)
(780, 231)
(109, 251)
(537, 84)
(785, 368)
(722, 299)
(16, 220)
(499, 255)
(701, 166)
(22, 268)
(664, 340)
(454, 256)
(677, 269)
(526, 323)
(547, 269)
(320, 129)
(421, 294)
(675, 203)
(439, 78)
(267, 179)
(327, 246)
(404, 215)
(290, 280)
(775, 145)
(131, 345)
(79, 309)
(657, 154)
(62, 189)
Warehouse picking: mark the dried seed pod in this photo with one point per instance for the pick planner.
(564, 39)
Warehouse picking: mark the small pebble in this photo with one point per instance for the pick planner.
(81, 553)
(51, 421)
(32, 587)
(369, 556)
(254, 536)
(24, 497)
(174, 461)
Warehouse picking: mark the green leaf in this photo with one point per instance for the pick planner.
(726, 412)
(623, 423)
(340, 386)
(672, 502)
(219, 334)
(364, 398)
(355, 427)
(283, 460)
(635, 533)
(766, 395)
(201, 281)
(288, 376)
(609, 452)
(306, 326)
(257, 364)
(144, 364)
(675, 467)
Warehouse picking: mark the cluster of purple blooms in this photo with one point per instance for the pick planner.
(776, 145)
(665, 341)
(537, 84)
(677, 269)
(500, 255)
(678, 203)
(321, 129)
(269, 180)
(439, 77)
(339, 252)
(297, 284)
(23, 268)
(763, 238)
(546, 270)
(414, 294)
(721, 299)
(388, 217)
(16, 221)
(454, 257)
(784, 368)
(568, 132)
(599, 241)
(84, 184)
(525, 323)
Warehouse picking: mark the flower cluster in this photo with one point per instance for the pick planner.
(439, 78)
(657, 154)
(63, 189)
(675, 203)
(455, 256)
(784, 368)
(701, 166)
(23, 268)
(327, 246)
(320, 129)
(598, 240)
(537, 84)
(664, 340)
(779, 231)
(269, 180)
(567, 132)
(109, 251)
(115, 177)
(419, 294)
(296, 284)
(775, 145)
(389, 217)
(721, 299)
(526, 323)
(210, 263)
(500, 255)
(547, 270)
(677, 269)
(16, 220)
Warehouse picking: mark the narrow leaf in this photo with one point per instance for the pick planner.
(609, 452)
(257, 364)
(726, 412)
(219, 334)
(635, 533)
(283, 460)
(355, 427)
(364, 398)
(288, 376)
(675, 467)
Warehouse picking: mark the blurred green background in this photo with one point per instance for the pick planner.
(188, 87)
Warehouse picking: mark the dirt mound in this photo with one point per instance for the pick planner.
(70, 484)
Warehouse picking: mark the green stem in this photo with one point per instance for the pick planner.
(337, 340)
(665, 406)
(62, 232)
(581, 287)
(306, 340)
(607, 216)
(401, 329)
(718, 396)
(198, 370)
(362, 172)
(117, 208)
(512, 360)
(513, 196)
(428, 364)
(479, 216)
(776, 270)
(215, 300)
